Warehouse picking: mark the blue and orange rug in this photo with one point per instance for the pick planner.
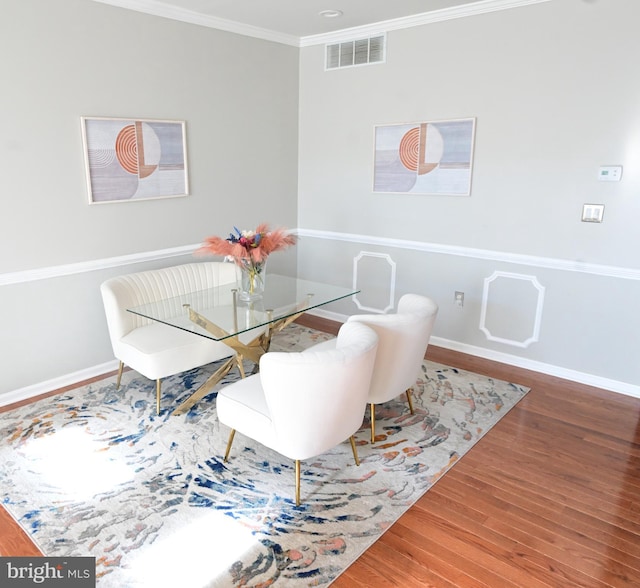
(96, 472)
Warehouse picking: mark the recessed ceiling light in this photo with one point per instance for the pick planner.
(330, 13)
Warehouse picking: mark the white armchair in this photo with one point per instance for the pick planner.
(303, 404)
(403, 340)
(153, 349)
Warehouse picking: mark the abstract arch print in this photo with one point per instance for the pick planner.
(421, 149)
(424, 158)
(138, 149)
(134, 159)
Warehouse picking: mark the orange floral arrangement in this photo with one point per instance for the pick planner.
(253, 246)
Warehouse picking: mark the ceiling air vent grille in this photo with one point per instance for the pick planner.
(358, 52)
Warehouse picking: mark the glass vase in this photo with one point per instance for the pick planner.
(252, 274)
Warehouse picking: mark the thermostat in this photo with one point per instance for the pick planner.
(610, 173)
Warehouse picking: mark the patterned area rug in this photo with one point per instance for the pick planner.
(96, 472)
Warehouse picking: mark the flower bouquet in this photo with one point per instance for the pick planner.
(249, 250)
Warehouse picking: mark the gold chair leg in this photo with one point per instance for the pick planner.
(120, 368)
(373, 423)
(409, 400)
(297, 482)
(231, 436)
(158, 394)
(355, 451)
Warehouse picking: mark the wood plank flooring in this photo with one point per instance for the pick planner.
(549, 497)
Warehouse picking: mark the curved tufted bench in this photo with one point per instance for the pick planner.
(153, 349)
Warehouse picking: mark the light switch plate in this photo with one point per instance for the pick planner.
(592, 213)
(610, 173)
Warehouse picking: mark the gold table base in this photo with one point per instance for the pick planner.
(253, 351)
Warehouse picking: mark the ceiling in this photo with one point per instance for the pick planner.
(299, 22)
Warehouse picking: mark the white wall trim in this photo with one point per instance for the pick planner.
(539, 306)
(33, 390)
(189, 16)
(392, 281)
(545, 368)
(514, 258)
(415, 20)
(506, 358)
(81, 267)
(541, 367)
(162, 9)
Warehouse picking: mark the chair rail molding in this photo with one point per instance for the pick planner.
(56, 271)
(513, 258)
(82, 267)
(45, 273)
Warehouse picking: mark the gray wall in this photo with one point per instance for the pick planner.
(273, 137)
(71, 58)
(555, 92)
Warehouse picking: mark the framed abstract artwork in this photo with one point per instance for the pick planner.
(134, 159)
(424, 157)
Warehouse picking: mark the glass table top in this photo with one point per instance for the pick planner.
(222, 307)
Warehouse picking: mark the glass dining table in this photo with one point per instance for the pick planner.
(245, 326)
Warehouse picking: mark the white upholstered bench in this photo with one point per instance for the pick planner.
(153, 349)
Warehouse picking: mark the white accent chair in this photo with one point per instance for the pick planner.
(151, 348)
(304, 403)
(403, 340)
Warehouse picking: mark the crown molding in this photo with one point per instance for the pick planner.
(197, 18)
(415, 20)
(180, 14)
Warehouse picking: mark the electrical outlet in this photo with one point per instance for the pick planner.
(459, 299)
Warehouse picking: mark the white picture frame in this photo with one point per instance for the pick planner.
(428, 157)
(132, 159)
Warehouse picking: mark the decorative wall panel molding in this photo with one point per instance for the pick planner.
(379, 271)
(507, 299)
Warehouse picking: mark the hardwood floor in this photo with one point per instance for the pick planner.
(549, 497)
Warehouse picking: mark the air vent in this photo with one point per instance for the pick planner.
(358, 52)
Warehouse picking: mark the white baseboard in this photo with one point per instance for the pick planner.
(506, 358)
(541, 367)
(56, 383)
